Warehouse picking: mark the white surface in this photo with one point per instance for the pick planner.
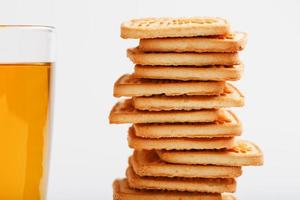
(88, 153)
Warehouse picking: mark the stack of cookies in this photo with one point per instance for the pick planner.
(183, 134)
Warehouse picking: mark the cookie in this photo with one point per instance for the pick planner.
(172, 58)
(229, 128)
(232, 42)
(140, 143)
(244, 153)
(124, 112)
(185, 73)
(180, 184)
(122, 191)
(130, 86)
(231, 97)
(174, 27)
(148, 163)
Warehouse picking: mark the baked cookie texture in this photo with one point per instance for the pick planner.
(129, 86)
(125, 112)
(185, 73)
(148, 163)
(173, 58)
(174, 27)
(178, 143)
(231, 97)
(232, 42)
(243, 153)
(229, 128)
(208, 185)
(177, 100)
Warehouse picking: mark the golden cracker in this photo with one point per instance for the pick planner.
(148, 163)
(122, 191)
(174, 143)
(232, 42)
(185, 73)
(229, 128)
(244, 153)
(129, 86)
(172, 58)
(232, 97)
(124, 112)
(180, 184)
(174, 27)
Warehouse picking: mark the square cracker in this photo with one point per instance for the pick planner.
(129, 86)
(124, 112)
(188, 58)
(180, 184)
(187, 73)
(178, 143)
(244, 153)
(231, 97)
(174, 27)
(232, 42)
(148, 163)
(122, 191)
(229, 128)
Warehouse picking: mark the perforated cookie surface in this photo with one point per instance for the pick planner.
(174, 27)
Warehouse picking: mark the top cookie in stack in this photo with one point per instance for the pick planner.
(182, 133)
(173, 42)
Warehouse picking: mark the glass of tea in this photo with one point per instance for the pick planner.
(26, 64)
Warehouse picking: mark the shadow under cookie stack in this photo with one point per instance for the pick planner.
(183, 134)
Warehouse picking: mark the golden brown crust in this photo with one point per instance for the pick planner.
(232, 97)
(177, 143)
(232, 42)
(123, 192)
(148, 163)
(207, 73)
(124, 112)
(180, 184)
(195, 59)
(129, 86)
(244, 153)
(174, 27)
(230, 128)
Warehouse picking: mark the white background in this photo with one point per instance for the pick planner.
(88, 153)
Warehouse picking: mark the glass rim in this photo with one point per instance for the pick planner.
(27, 26)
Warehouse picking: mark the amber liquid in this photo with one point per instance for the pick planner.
(24, 114)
